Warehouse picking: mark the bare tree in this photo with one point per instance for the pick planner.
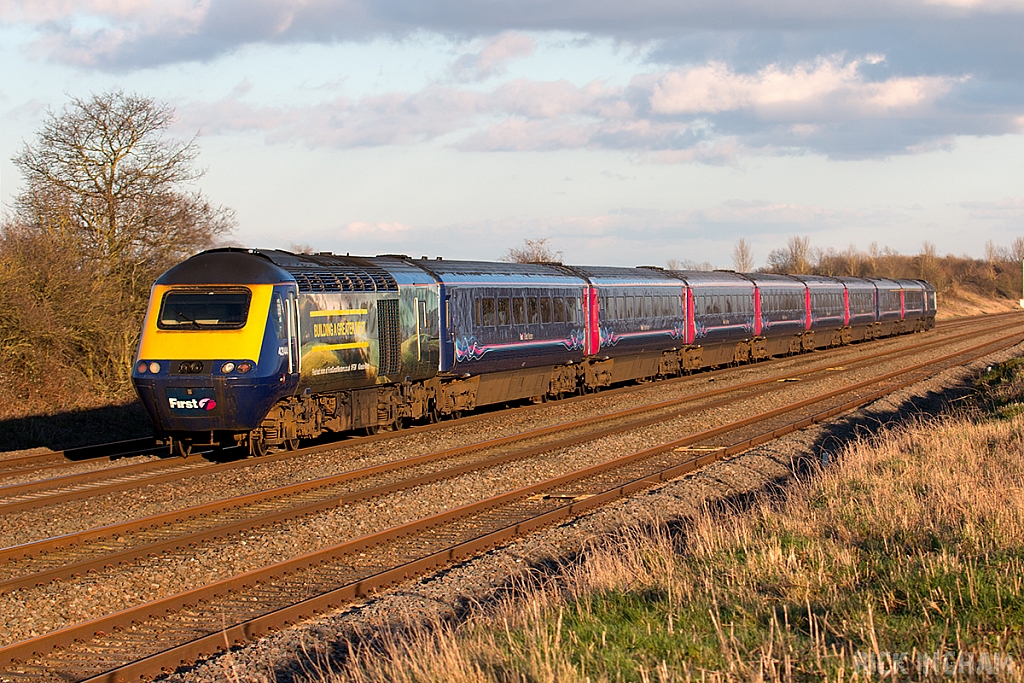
(794, 258)
(102, 178)
(105, 208)
(927, 260)
(800, 253)
(742, 258)
(533, 251)
(1017, 249)
(688, 264)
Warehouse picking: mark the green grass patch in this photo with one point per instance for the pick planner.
(912, 544)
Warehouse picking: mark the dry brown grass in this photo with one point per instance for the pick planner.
(910, 542)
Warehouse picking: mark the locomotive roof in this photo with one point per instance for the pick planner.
(331, 273)
(225, 267)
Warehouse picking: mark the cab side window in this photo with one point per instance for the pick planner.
(277, 316)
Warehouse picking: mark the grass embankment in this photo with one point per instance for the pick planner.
(908, 545)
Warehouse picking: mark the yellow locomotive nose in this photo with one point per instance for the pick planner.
(172, 334)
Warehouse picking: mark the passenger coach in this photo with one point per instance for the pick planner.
(264, 348)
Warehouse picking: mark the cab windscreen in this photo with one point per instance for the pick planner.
(217, 309)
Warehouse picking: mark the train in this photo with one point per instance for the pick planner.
(263, 348)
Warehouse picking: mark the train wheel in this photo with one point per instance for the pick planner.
(182, 449)
(291, 444)
(257, 446)
(371, 430)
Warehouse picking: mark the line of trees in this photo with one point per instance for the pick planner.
(105, 207)
(997, 275)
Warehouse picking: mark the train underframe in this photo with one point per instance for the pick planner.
(389, 407)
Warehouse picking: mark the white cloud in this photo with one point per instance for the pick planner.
(1003, 209)
(673, 117)
(829, 89)
(125, 34)
(493, 57)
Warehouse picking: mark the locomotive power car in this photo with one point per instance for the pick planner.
(262, 348)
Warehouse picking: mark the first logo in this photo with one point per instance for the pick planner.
(192, 403)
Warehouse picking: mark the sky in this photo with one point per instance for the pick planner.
(625, 133)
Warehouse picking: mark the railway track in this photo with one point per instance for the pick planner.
(65, 556)
(38, 493)
(53, 461)
(17, 465)
(268, 597)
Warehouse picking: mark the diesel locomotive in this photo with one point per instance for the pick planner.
(262, 348)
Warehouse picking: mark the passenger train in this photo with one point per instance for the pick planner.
(262, 348)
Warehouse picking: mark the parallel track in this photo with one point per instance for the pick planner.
(30, 495)
(76, 554)
(179, 628)
(42, 462)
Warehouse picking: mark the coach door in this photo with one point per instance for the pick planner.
(292, 330)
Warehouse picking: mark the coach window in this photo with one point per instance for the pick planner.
(570, 310)
(558, 309)
(545, 309)
(531, 310)
(518, 312)
(476, 312)
(649, 311)
(487, 308)
(504, 312)
(630, 310)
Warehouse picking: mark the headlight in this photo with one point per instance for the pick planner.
(154, 367)
(142, 367)
(227, 367)
(244, 367)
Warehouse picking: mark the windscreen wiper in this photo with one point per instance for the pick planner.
(187, 319)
